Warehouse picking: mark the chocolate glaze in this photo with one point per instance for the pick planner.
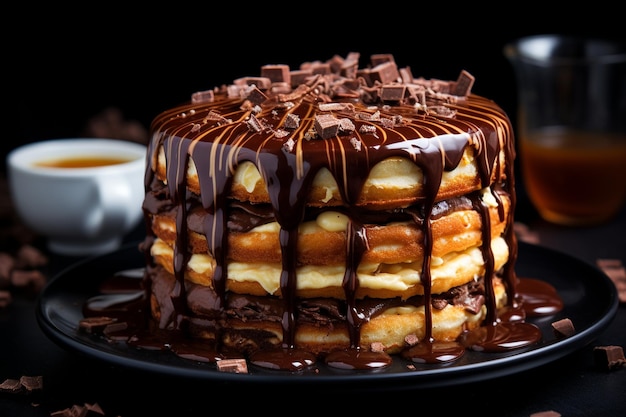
(429, 125)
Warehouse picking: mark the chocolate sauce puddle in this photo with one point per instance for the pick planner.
(122, 297)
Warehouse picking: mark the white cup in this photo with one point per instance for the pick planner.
(79, 210)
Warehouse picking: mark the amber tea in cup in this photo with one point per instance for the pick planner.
(81, 162)
(571, 128)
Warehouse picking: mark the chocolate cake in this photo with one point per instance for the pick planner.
(334, 212)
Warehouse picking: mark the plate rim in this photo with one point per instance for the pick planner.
(510, 363)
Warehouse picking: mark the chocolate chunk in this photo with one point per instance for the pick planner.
(25, 383)
(277, 73)
(385, 73)
(32, 383)
(33, 280)
(262, 83)
(326, 125)
(563, 328)
(392, 92)
(255, 95)
(203, 96)
(377, 59)
(463, 85)
(5, 299)
(300, 76)
(7, 263)
(609, 357)
(95, 325)
(549, 413)
(237, 366)
(11, 385)
(614, 269)
(29, 256)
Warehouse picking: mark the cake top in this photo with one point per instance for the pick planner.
(335, 115)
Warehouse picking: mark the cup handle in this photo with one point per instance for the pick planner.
(111, 208)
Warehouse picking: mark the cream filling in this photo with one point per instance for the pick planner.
(395, 277)
(394, 173)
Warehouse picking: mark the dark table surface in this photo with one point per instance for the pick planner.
(572, 385)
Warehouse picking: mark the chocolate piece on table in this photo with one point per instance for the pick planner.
(29, 256)
(11, 385)
(28, 278)
(609, 357)
(5, 298)
(549, 413)
(32, 383)
(615, 270)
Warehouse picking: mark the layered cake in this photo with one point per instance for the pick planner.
(332, 212)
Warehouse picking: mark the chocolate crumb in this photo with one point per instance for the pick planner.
(563, 328)
(237, 366)
(411, 339)
(609, 357)
(377, 347)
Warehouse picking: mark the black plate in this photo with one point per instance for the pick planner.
(589, 297)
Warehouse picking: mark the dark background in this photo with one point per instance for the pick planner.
(63, 67)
